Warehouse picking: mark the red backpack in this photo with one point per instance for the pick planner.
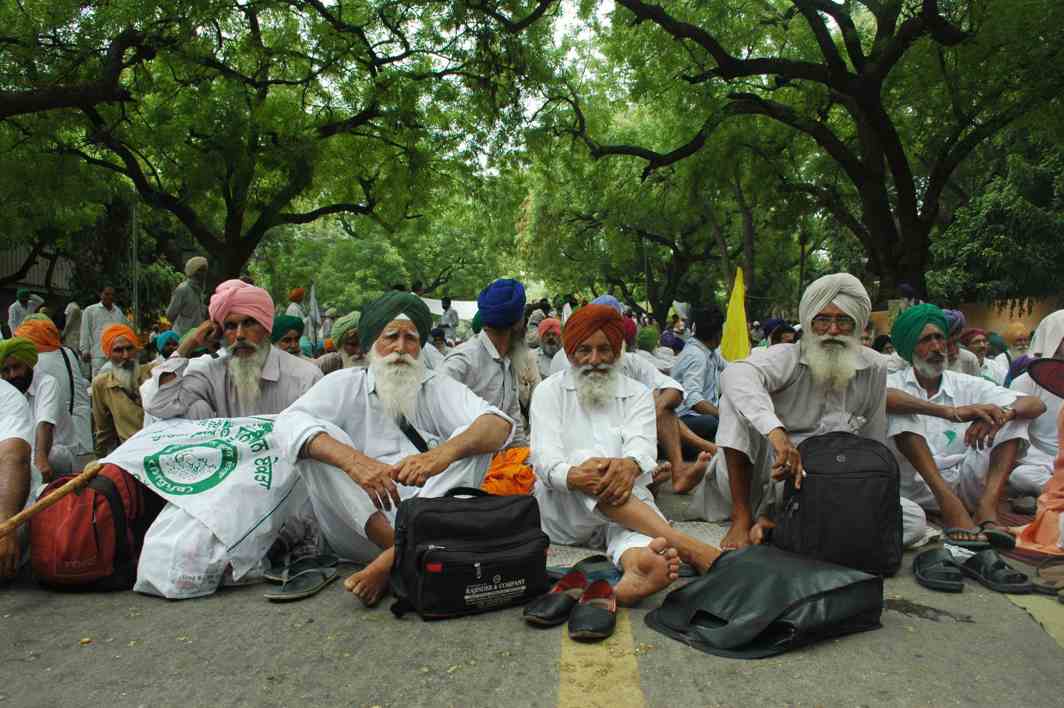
(91, 539)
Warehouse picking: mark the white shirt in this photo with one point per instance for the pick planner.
(94, 319)
(478, 365)
(72, 429)
(16, 312)
(944, 437)
(348, 400)
(16, 418)
(432, 357)
(1043, 430)
(43, 398)
(562, 429)
(449, 322)
(634, 367)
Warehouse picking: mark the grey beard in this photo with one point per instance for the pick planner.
(927, 369)
(247, 376)
(550, 349)
(126, 376)
(594, 390)
(397, 384)
(832, 366)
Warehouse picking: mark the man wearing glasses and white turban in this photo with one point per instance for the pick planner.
(783, 394)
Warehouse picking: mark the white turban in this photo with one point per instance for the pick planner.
(195, 265)
(839, 289)
(1048, 336)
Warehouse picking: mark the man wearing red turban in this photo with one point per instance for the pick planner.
(594, 450)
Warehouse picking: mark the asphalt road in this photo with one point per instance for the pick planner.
(235, 648)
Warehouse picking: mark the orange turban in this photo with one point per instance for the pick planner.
(42, 332)
(1015, 331)
(113, 332)
(296, 294)
(589, 319)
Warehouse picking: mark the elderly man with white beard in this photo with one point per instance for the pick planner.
(255, 379)
(549, 331)
(354, 438)
(949, 465)
(117, 412)
(783, 394)
(594, 449)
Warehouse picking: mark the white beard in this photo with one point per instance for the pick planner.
(593, 390)
(927, 369)
(833, 366)
(126, 377)
(550, 349)
(246, 373)
(397, 384)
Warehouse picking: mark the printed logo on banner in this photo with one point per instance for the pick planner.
(191, 469)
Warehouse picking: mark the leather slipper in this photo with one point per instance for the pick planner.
(554, 607)
(996, 536)
(280, 573)
(937, 570)
(990, 570)
(968, 544)
(303, 584)
(596, 615)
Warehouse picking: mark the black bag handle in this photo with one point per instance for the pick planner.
(106, 487)
(70, 378)
(466, 492)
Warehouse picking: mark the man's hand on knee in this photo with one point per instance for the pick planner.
(586, 476)
(616, 484)
(376, 479)
(416, 469)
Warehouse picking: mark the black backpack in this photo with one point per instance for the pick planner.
(467, 552)
(848, 510)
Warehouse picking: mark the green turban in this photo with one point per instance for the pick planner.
(21, 348)
(377, 314)
(282, 324)
(647, 338)
(342, 326)
(37, 317)
(22, 293)
(477, 323)
(911, 322)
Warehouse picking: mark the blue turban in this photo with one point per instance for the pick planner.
(502, 303)
(609, 301)
(166, 337)
(305, 346)
(955, 320)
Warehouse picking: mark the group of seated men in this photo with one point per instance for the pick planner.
(596, 427)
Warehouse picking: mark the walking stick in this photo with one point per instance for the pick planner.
(76, 484)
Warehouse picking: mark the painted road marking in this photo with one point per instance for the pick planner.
(602, 674)
(1046, 611)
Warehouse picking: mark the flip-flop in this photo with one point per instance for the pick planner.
(303, 584)
(989, 569)
(997, 536)
(279, 573)
(937, 570)
(970, 544)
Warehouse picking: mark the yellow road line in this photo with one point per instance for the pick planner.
(601, 675)
(1046, 611)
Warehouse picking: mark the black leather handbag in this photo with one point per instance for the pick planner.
(467, 552)
(761, 601)
(848, 510)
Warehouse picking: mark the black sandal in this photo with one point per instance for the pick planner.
(989, 569)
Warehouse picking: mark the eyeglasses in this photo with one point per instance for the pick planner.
(822, 323)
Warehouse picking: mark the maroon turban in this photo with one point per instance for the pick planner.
(589, 319)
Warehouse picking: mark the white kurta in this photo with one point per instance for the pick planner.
(963, 469)
(1036, 467)
(346, 406)
(70, 384)
(564, 433)
(43, 397)
(94, 319)
(16, 420)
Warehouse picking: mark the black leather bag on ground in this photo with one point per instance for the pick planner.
(762, 601)
(848, 510)
(467, 552)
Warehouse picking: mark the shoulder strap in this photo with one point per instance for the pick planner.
(70, 378)
(106, 487)
(413, 435)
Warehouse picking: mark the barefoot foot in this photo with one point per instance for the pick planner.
(646, 571)
(371, 583)
(760, 530)
(738, 535)
(687, 476)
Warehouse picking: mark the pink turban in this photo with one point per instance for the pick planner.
(549, 324)
(236, 296)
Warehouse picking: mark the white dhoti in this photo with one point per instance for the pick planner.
(1032, 473)
(711, 500)
(343, 508)
(573, 519)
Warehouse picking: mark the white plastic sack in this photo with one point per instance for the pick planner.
(229, 494)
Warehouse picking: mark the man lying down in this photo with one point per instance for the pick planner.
(340, 444)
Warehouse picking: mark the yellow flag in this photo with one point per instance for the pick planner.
(735, 344)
